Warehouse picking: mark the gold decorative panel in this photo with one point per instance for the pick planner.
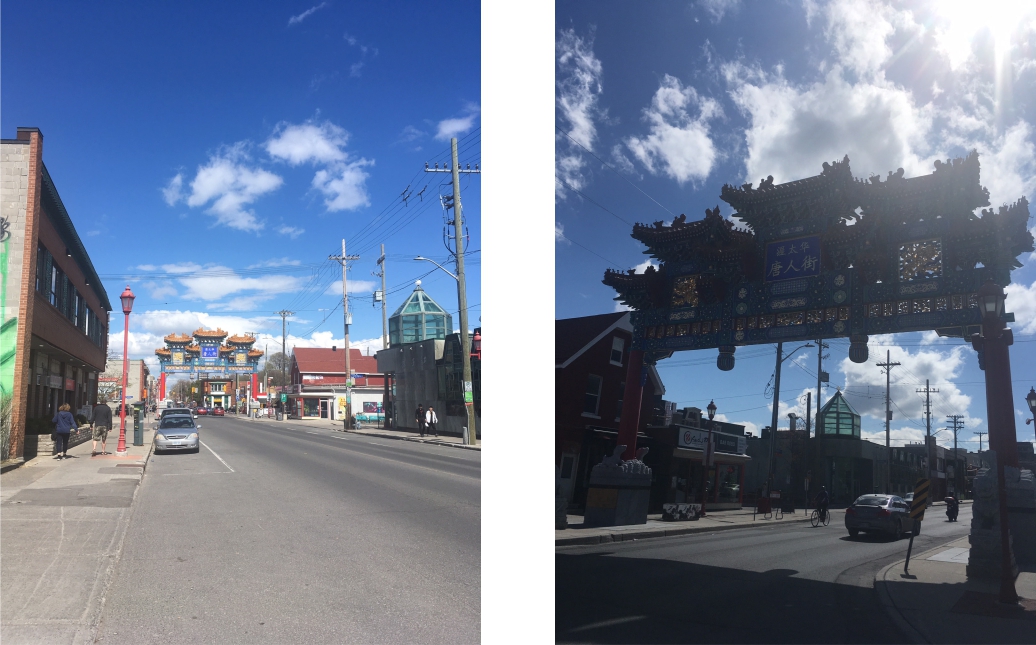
(685, 291)
(920, 260)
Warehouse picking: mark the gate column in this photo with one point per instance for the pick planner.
(636, 376)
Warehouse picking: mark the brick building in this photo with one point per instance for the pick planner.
(591, 356)
(318, 384)
(54, 321)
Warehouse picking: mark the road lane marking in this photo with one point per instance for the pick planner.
(217, 456)
(311, 432)
(215, 472)
(607, 623)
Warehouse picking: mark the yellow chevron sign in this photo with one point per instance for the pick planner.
(920, 499)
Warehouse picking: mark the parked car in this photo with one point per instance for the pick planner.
(880, 514)
(168, 411)
(218, 412)
(909, 498)
(177, 432)
(201, 410)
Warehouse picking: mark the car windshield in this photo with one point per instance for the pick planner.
(177, 422)
(170, 411)
(871, 500)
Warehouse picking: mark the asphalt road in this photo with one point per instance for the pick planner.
(788, 583)
(284, 534)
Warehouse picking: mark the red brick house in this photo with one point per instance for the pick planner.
(590, 363)
(318, 384)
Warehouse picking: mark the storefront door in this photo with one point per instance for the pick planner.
(323, 408)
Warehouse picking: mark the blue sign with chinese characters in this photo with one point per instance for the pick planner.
(797, 258)
(210, 351)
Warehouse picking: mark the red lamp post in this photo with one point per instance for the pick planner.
(993, 343)
(127, 306)
(1030, 398)
(706, 453)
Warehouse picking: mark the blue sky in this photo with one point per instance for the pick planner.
(212, 155)
(660, 104)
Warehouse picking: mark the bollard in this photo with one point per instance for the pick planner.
(464, 435)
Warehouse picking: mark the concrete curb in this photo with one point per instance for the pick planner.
(11, 464)
(415, 440)
(629, 536)
(890, 606)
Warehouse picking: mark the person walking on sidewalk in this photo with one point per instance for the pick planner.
(430, 420)
(419, 416)
(101, 424)
(64, 422)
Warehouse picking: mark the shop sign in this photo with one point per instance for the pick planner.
(70, 384)
(54, 381)
(697, 439)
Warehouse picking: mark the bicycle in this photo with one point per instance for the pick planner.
(815, 519)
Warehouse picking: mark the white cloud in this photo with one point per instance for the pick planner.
(160, 290)
(859, 31)
(642, 267)
(294, 20)
(678, 144)
(214, 282)
(792, 129)
(355, 286)
(718, 8)
(410, 133)
(865, 382)
(448, 128)
(344, 185)
(291, 231)
(173, 192)
(343, 178)
(1021, 301)
(276, 262)
(308, 143)
(559, 233)
(577, 91)
(354, 69)
(231, 185)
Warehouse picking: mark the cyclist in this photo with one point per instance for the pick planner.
(822, 501)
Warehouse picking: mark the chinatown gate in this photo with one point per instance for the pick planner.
(830, 256)
(205, 355)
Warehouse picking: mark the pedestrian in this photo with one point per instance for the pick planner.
(419, 415)
(64, 422)
(430, 419)
(101, 424)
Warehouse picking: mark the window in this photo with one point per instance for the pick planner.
(618, 345)
(593, 394)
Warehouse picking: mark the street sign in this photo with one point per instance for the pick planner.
(920, 500)
(284, 398)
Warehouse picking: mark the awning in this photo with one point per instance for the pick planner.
(721, 457)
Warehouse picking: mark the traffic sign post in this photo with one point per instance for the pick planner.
(916, 514)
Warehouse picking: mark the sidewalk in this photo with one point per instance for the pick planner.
(714, 521)
(937, 603)
(403, 435)
(61, 527)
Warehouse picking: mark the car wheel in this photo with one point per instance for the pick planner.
(898, 532)
(854, 533)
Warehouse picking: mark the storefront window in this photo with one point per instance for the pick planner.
(311, 407)
(728, 483)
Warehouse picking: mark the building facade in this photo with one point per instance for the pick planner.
(591, 355)
(138, 378)
(318, 385)
(54, 320)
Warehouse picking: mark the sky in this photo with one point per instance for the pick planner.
(213, 155)
(657, 105)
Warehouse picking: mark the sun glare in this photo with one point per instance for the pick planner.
(965, 19)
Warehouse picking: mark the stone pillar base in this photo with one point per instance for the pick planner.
(619, 493)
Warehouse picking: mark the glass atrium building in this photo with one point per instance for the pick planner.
(838, 419)
(419, 318)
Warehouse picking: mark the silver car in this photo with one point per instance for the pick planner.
(177, 432)
(879, 513)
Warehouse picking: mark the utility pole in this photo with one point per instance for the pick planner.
(958, 424)
(887, 366)
(932, 466)
(343, 259)
(462, 298)
(821, 376)
(384, 333)
(284, 356)
(980, 435)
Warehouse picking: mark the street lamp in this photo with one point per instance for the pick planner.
(706, 453)
(448, 272)
(127, 298)
(993, 343)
